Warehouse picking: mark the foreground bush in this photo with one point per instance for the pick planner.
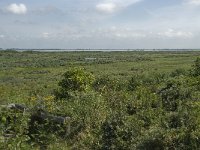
(196, 67)
(74, 80)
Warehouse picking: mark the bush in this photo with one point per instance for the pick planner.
(196, 67)
(178, 72)
(175, 91)
(74, 80)
(134, 82)
(14, 129)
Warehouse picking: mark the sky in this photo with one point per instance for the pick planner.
(100, 24)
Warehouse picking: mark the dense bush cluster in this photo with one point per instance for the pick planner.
(74, 80)
(147, 112)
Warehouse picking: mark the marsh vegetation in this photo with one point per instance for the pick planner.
(116, 100)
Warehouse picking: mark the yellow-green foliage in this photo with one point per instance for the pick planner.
(197, 67)
(74, 80)
(131, 100)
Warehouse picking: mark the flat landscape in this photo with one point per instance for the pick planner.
(105, 100)
(23, 73)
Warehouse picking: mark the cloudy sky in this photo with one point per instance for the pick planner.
(100, 24)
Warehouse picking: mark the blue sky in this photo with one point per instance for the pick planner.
(100, 24)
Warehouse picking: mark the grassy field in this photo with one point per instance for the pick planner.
(23, 73)
(125, 88)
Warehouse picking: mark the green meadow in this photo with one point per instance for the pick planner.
(116, 100)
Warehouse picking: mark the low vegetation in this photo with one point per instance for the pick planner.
(119, 100)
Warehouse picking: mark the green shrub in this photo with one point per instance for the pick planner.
(134, 82)
(76, 79)
(120, 132)
(178, 72)
(13, 129)
(196, 67)
(175, 91)
(106, 84)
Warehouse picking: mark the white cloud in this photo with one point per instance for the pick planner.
(17, 8)
(118, 33)
(106, 7)
(45, 35)
(113, 32)
(2, 36)
(47, 10)
(171, 33)
(111, 6)
(193, 2)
